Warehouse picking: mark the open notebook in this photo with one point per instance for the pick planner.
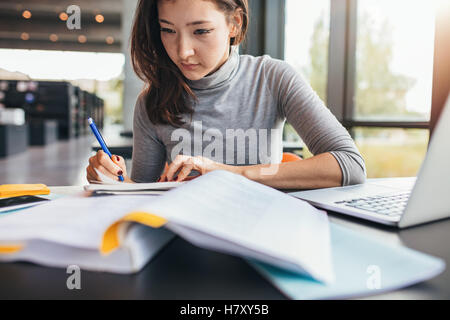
(219, 211)
(108, 186)
(132, 188)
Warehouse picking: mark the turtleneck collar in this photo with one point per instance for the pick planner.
(221, 76)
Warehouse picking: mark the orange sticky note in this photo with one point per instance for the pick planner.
(17, 190)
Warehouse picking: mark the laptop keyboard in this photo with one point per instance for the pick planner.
(387, 205)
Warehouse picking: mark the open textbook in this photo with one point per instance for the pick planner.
(218, 211)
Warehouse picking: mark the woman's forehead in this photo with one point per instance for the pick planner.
(188, 11)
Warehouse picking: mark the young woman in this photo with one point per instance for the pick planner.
(208, 108)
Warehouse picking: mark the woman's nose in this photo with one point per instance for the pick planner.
(185, 48)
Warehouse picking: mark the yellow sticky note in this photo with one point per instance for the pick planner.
(17, 190)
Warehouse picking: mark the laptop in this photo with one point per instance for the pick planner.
(398, 202)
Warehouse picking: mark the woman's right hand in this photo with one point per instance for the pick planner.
(103, 163)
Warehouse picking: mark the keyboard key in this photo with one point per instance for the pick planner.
(389, 205)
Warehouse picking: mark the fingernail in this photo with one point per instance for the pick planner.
(120, 173)
(159, 179)
(118, 158)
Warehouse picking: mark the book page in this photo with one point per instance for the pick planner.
(74, 221)
(245, 218)
(253, 216)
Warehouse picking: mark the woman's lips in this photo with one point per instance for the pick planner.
(189, 67)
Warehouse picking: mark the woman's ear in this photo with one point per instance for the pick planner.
(236, 23)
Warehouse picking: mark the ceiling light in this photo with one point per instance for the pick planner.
(82, 39)
(53, 37)
(26, 14)
(99, 18)
(63, 16)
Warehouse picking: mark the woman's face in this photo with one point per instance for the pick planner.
(196, 36)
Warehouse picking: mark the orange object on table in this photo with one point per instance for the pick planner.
(17, 190)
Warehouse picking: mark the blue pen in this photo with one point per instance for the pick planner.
(101, 141)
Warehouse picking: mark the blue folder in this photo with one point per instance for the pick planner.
(363, 267)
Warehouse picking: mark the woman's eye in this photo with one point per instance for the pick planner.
(202, 31)
(167, 30)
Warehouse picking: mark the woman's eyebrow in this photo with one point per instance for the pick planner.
(188, 24)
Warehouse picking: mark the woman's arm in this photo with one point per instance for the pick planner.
(149, 153)
(322, 171)
(318, 128)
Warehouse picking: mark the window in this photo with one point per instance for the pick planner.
(392, 152)
(306, 47)
(393, 83)
(394, 60)
(372, 62)
(307, 37)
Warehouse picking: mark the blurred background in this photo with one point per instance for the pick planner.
(374, 63)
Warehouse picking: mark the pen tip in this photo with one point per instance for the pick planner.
(90, 121)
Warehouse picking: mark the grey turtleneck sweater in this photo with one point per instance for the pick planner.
(239, 118)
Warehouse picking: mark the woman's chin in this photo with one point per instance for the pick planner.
(194, 75)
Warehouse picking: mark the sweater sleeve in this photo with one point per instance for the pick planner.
(319, 129)
(149, 153)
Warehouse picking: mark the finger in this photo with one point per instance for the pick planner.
(164, 174)
(97, 166)
(119, 161)
(184, 172)
(91, 174)
(179, 162)
(107, 173)
(172, 170)
(94, 165)
(105, 161)
(190, 178)
(122, 173)
(93, 161)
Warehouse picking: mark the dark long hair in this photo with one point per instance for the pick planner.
(167, 92)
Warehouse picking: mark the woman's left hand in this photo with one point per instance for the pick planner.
(186, 164)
